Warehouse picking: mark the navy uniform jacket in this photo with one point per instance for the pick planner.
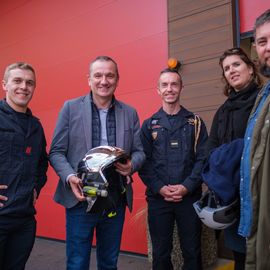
(23, 161)
(173, 155)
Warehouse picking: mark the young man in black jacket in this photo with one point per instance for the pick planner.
(173, 140)
(23, 166)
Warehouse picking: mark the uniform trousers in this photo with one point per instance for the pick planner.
(162, 216)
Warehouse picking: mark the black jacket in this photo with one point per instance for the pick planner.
(171, 157)
(231, 118)
(23, 160)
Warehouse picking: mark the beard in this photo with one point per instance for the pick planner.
(265, 70)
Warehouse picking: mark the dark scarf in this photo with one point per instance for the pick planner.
(235, 112)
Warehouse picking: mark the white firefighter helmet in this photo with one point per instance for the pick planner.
(214, 215)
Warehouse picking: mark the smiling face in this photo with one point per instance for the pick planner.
(169, 87)
(262, 43)
(237, 73)
(103, 79)
(19, 85)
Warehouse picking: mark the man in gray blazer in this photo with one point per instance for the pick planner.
(86, 122)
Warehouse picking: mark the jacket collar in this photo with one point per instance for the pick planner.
(182, 118)
(113, 102)
(33, 121)
(5, 107)
(87, 103)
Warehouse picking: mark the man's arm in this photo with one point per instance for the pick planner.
(137, 153)
(42, 168)
(58, 154)
(192, 182)
(59, 146)
(147, 173)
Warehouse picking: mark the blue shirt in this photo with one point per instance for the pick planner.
(245, 195)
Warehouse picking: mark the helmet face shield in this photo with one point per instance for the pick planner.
(94, 170)
(213, 215)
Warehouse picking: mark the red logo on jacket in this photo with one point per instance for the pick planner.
(28, 150)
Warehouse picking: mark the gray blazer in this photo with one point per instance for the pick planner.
(73, 138)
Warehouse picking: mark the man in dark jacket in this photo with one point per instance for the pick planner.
(173, 140)
(23, 166)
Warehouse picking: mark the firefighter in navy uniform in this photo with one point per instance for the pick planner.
(174, 141)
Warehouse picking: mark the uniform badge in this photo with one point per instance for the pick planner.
(174, 143)
(154, 122)
(192, 121)
(154, 135)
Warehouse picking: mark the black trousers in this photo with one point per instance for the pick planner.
(161, 219)
(239, 260)
(17, 236)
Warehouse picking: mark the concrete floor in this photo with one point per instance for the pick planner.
(50, 255)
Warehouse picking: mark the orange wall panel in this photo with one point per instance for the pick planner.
(59, 38)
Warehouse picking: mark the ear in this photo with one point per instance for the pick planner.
(250, 70)
(4, 85)
(158, 90)
(88, 79)
(182, 89)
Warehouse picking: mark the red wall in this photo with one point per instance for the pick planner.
(59, 38)
(249, 11)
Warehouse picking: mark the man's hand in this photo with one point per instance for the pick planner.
(76, 187)
(3, 198)
(173, 193)
(178, 192)
(124, 168)
(166, 192)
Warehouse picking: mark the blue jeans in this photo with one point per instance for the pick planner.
(80, 229)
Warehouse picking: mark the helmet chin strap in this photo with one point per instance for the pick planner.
(90, 202)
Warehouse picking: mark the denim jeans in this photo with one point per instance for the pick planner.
(79, 236)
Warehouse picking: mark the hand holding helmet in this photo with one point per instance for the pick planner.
(93, 171)
(76, 186)
(124, 168)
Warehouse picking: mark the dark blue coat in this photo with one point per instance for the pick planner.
(221, 172)
(23, 161)
(171, 157)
